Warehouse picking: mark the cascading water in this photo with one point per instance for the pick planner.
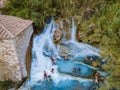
(63, 78)
(43, 43)
(80, 49)
(73, 29)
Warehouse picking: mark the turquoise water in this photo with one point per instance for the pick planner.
(67, 67)
(63, 85)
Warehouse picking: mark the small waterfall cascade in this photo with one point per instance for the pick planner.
(63, 78)
(73, 29)
(77, 48)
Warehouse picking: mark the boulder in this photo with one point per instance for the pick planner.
(57, 35)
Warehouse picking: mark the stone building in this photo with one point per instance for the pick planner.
(15, 34)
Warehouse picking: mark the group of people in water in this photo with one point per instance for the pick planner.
(46, 75)
(98, 78)
(76, 70)
(53, 61)
(89, 60)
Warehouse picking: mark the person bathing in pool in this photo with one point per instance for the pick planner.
(45, 75)
(53, 59)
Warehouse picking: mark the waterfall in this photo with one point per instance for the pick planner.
(43, 43)
(73, 31)
(40, 63)
(80, 49)
(44, 48)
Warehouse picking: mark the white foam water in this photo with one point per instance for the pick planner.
(73, 31)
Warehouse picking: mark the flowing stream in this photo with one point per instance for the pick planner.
(63, 77)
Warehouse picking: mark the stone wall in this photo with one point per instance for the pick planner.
(29, 56)
(9, 64)
(22, 43)
(13, 56)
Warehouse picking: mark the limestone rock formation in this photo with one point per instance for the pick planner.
(57, 35)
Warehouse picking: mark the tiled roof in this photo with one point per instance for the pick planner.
(11, 26)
